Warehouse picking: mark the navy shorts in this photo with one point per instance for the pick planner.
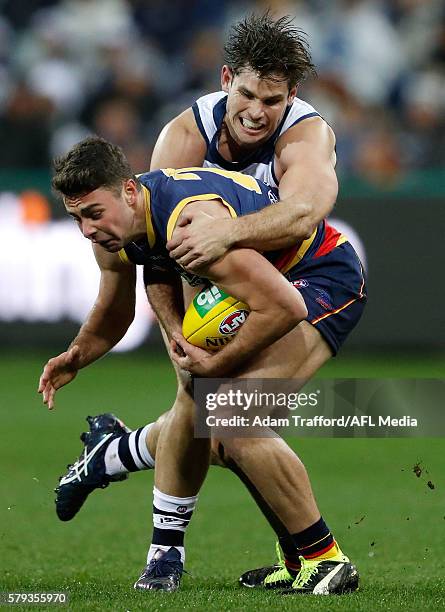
(334, 289)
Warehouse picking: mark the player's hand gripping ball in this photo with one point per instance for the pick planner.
(213, 319)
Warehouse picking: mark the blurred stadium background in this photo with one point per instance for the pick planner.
(122, 69)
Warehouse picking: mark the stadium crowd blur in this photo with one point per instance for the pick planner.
(123, 68)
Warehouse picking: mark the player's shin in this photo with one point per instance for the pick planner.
(285, 540)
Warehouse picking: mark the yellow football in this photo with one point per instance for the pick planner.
(213, 319)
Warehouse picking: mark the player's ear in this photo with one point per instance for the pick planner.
(226, 78)
(291, 95)
(131, 191)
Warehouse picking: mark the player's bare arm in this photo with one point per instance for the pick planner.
(180, 144)
(165, 294)
(305, 168)
(106, 324)
(247, 275)
(304, 165)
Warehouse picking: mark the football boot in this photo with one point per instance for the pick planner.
(163, 573)
(325, 577)
(88, 472)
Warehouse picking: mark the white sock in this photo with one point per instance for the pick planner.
(113, 463)
(129, 453)
(171, 516)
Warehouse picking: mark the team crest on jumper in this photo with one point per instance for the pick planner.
(300, 283)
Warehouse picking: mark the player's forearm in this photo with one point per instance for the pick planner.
(100, 333)
(166, 299)
(278, 226)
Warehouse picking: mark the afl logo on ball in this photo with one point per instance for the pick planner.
(232, 323)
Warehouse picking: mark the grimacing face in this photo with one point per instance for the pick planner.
(255, 106)
(104, 217)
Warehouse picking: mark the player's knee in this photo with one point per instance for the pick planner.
(184, 392)
(183, 410)
(183, 378)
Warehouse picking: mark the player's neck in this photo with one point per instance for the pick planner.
(229, 148)
(142, 211)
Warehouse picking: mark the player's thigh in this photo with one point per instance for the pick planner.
(298, 354)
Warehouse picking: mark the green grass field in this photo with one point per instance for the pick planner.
(386, 519)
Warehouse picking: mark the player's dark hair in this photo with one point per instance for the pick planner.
(90, 164)
(273, 49)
